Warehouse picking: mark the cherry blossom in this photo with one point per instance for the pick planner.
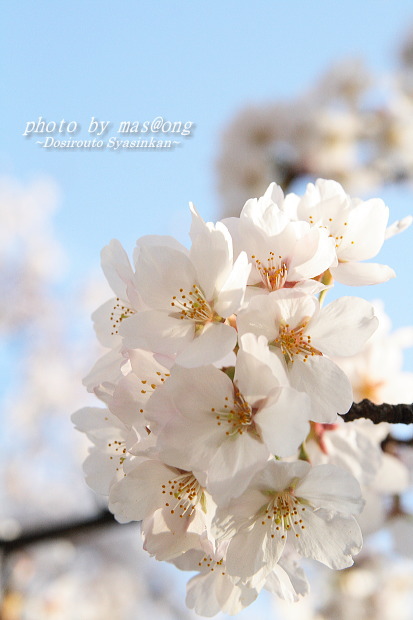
(104, 464)
(191, 296)
(376, 372)
(213, 589)
(282, 252)
(222, 386)
(174, 508)
(302, 335)
(227, 430)
(311, 507)
(133, 390)
(349, 446)
(120, 276)
(357, 227)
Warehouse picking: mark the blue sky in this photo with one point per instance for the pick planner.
(184, 61)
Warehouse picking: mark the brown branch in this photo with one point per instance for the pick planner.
(393, 414)
(61, 530)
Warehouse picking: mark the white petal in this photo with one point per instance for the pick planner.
(327, 386)
(197, 223)
(331, 488)
(169, 535)
(156, 241)
(145, 366)
(398, 226)
(233, 465)
(139, 493)
(201, 595)
(127, 400)
(274, 193)
(214, 342)
(344, 326)
(256, 320)
(392, 477)
(161, 272)
(229, 519)
(213, 592)
(257, 372)
(93, 420)
(100, 471)
(265, 312)
(283, 422)
(211, 255)
(117, 268)
(366, 228)
(156, 331)
(106, 369)
(232, 292)
(362, 274)
(106, 333)
(332, 541)
(279, 583)
(251, 551)
(278, 475)
(317, 255)
(295, 573)
(265, 214)
(232, 597)
(208, 388)
(348, 448)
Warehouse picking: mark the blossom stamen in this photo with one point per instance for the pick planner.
(187, 492)
(149, 385)
(283, 514)
(273, 274)
(118, 314)
(193, 306)
(117, 451)
(293, 342)
(211, 564)
(239, 416)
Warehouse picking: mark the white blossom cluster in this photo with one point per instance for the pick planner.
(221, 388)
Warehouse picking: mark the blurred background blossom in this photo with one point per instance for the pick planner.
(354, 126)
